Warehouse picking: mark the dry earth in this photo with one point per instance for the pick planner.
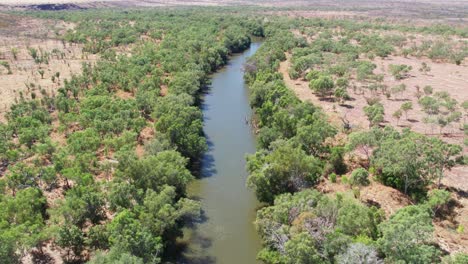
(23, 33)
(443, 77)
(455, 12)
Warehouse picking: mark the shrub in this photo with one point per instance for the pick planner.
(344, 180)
(323, 85)
(399, 71)
(333, 177)
(375, 114)
(428, 90)
(359, 177)
(336, 160)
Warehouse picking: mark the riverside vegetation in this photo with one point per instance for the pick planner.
(93, 194)
(298, 147)
(80, 172)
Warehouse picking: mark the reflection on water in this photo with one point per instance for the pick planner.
(226, 233)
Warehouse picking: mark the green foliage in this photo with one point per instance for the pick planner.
(115, 257)
(457, 258)
(407, 236)
(428, 90)
(236, 39)
(71, 238)
(82, 203)
(332, 177)
(128, 235)
(336, 160)
(438, 199)
(312, 227)
(300, 250)
(365, 70)
(375, 113)
(155, 171)
(397, 114)
(102, 112)
(429, 105)
(182, 124)
(21, 223)
(406, 106)
(408, 161)
(109, 115)
(341, 94)
(359, 176)
(7, 66)
(399, 71)
(398, 89)
(323, 85)
(285, 168)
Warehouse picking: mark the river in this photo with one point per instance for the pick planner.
(226, 234)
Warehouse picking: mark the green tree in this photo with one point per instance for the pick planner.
(397, 115)
(411, 161)
(115, 257)
(153, 172)
(407, 237)
(399, 71)
(323, 85)
(128, 235)
(285, 169)
(406, 106)
(359, 176)
(398, 89)
(429, 105)
(182, 123)
(71, 238)
(342, 95)
(301, 250)
(374, 113)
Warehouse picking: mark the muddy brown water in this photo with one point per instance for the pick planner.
(226, 234)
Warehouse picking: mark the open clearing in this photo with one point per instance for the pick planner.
(24, 77)
(443, 77)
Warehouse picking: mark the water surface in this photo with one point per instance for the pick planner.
(227, 234)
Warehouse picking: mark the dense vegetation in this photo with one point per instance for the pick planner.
(298, 148)
(92, 192)
(79, 170)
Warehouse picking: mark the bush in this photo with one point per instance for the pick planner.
(359, 177)
(333, 177)
(336, 160)
(323, 85)
(344, 180)
(399, 71)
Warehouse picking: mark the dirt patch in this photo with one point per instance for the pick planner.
(124, 95)
(421, 11)
(28, 77)
(442, 77)
(384, 197)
